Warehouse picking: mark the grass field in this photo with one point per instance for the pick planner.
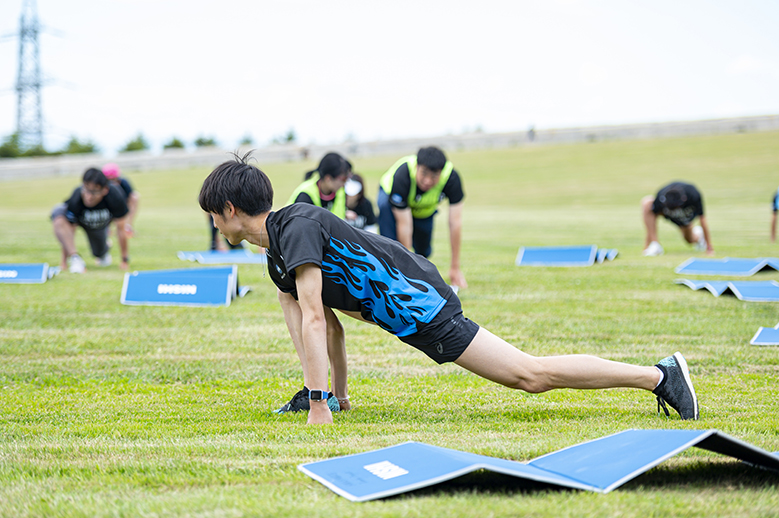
(110, 410)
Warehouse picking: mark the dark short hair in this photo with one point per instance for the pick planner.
(673, 198)
(96, 176)
(432, 158)
(240, 183)
(332, 164)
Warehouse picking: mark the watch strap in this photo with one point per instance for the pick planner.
(318, 395)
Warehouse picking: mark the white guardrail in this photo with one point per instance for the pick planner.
(74, 165)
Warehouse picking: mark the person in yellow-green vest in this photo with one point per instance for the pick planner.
(324, 187)
(409, 195)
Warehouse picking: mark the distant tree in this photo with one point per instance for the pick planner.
(247, 140)
(75, 147)
(37, 150)
(137, 144)
(10, 147)
(205, 142)
(289, 138)
(174, 143)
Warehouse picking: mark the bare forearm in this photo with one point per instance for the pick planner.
(455, 239)
(132, 206)
(336, 350)
(404, 226)
(314, 331)
(404, 235)
(706, 234)
(123, 241)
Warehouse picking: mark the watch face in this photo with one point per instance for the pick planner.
(317, 395)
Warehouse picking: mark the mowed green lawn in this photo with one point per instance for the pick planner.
(111, 410)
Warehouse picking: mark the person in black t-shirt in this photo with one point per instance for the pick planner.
(92, 207)
(680, 203)
(319, 264)
(114, 175)
(359, 209)
(409, 195)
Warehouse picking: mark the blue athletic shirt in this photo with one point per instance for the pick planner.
(361, 271)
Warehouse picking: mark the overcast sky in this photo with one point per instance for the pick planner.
(374, 70)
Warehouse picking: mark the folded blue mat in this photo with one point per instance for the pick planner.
(766, 336)
(192, 287)
(734, 266)
(237, 256)
(26, 273)
(601, 465)
(749, 291)
(564, 255)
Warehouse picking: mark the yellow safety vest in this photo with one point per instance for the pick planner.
(427, 204)
(312, 189)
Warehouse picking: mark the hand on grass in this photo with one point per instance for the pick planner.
(319, 413)
(456, 278)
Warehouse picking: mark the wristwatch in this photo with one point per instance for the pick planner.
(318, 395)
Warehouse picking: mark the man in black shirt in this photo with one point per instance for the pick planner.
(409, 195)
(319, 263)
(680, 203)
(92, 207)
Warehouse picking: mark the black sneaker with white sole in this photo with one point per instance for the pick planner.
(300, 402)
(676, 388)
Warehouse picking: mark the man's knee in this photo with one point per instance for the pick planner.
(285, 298)
(62, 224)
(334, 327)
(647, 202)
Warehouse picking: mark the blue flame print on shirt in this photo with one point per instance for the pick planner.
(392, 300)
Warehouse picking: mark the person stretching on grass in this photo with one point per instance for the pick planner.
(680, 203)
(92, 207)
(319, 263)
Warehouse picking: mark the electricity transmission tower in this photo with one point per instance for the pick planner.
(29, 114)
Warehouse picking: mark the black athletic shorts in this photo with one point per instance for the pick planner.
(447, 336)
(98, 237)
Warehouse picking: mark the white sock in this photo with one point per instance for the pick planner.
(662, 376)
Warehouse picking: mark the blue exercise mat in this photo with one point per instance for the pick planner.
(766, 336)
(27, 273)
(216, 286)
(242, 256)
(601, 465)
(748, 291)
(733, 266)
(563, 255)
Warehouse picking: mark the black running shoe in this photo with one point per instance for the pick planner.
(300, 402)
(676, 388)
